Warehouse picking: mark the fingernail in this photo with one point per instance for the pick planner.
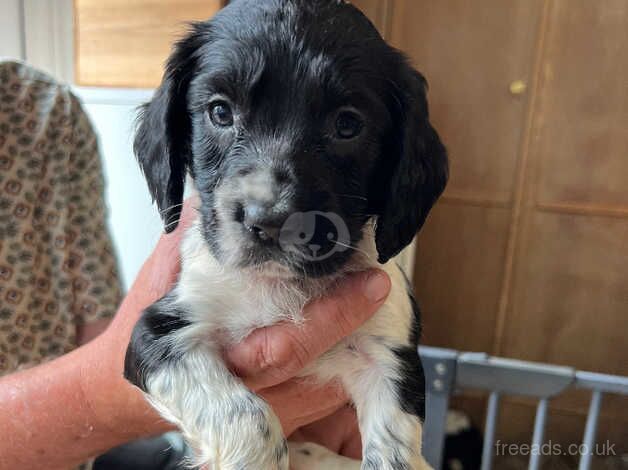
(376, 286)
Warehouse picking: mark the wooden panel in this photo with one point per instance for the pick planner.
(557, 159)
(470, 53)
(571, 294)
(570, 279)
(458, 271)
(124, 43)
(583, 106)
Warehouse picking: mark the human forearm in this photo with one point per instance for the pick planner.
(88, 331)
(58, 415)
(34, 432)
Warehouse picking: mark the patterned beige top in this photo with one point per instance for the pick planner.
(57, 268)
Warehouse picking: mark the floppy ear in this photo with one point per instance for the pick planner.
(162, 141)
(419, 174)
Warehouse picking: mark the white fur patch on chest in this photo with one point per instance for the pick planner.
(228, 304)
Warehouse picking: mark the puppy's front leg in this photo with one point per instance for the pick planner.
(388, 395)
(185, 379)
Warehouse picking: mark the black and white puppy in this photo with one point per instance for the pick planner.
(308, 141)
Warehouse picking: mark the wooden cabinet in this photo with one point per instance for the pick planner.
(482, 124)
(526, 254)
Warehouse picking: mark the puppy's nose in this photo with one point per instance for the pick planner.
(264, 222)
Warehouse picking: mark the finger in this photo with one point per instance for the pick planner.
(273, 354)
(314, 416)
(352, 444)
(339, 432)
(298, 403)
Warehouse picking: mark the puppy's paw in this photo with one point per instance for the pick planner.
(243, 433)
(309, 456)
(393, 459)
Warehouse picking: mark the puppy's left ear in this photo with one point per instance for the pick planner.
(162, 141)
(419, 174)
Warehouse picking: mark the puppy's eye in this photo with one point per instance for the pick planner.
(220, 113)
(348, 125)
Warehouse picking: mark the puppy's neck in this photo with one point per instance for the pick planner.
(236, 301)
(199, 260)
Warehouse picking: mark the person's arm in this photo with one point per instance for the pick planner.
(48, 418)
(63, 412)
(88, 331)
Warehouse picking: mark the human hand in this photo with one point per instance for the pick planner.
(267, 361)
(270, 358)
(338, 432)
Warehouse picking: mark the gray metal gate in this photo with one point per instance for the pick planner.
(447, 370)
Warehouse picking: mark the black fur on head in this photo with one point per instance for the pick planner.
(278, 107)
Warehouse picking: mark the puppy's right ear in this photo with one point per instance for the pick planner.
(162, 141)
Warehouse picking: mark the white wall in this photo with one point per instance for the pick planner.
(134, 222)
(48, 32)
(39, 32)
(11, 35)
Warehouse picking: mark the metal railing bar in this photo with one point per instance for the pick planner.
(440, 373)
(492, 413)
(434, 440)
(539, 434)
(602, 382)
(512, 377)
(590, 430)
(448, 371)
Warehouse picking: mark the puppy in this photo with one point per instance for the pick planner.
(308, 141)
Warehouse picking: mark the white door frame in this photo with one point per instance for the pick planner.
(39, 32)
(49, 36)
(11, 31)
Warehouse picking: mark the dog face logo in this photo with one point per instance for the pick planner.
(314, 235)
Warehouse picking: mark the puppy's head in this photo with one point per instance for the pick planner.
(298, 124)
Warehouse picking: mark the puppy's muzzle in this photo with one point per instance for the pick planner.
(264, 220)
(263, 203)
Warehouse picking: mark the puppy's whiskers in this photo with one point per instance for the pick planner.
(167, 209)
(171, 224)
(351, 247)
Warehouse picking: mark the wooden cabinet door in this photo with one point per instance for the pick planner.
(567, 300)
(124, 43)
(460, 265)
(526, 255)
